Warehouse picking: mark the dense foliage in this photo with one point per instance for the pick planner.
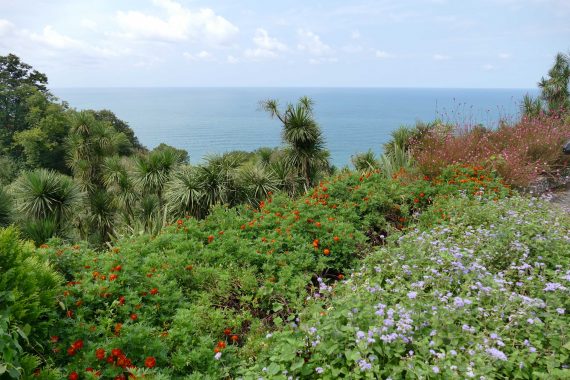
(244, 266)
(28, 291)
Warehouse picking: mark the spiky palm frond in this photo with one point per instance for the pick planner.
(102, 211)
(531, 107)
(256, 183)
(184, 193)
(42, 194)
(153, 171)
(399, 158)
(39, 230)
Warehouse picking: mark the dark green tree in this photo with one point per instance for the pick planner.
(305, 146)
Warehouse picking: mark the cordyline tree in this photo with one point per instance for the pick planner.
(305, 146)
(555, 90)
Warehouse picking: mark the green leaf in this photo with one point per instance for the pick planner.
(297, 364)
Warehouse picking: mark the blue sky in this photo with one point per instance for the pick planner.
(405, 43)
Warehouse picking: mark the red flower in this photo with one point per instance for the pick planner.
(100, 353)
(179, 222)
(210, 238)
(54, 339)
(113, 277)
(78, 344)
(121, 300)
(110, 359)
(116, 351)
(235, 338)
(69, 313)
(134, 317)
(120, 377)
(122, 361)
(221, 344)
(71, 351)
(336, 239)
(89, 369)
(73, 376)
(227, 331)
(340, 276)
(150, 362)
(154, 291)
(118, 268)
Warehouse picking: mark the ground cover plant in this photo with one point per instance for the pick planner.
(482, 295)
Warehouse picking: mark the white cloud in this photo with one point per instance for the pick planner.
(180, 24)
(266, 47)
(381, 54)
(263, 41)
(232, 59)
(312, 43)
(504, 56)
(488, 67)
(318, 61)
(201, 56)
(355, 35)
(51, 38)
(441, 57)
(6, 27)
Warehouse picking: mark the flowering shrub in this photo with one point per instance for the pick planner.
(197, 297)
(519, 153)
(482, 295)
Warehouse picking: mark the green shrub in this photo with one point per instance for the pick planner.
(28, 288)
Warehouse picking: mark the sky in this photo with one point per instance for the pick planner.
(328, 43)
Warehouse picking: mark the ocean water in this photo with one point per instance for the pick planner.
(215, 120)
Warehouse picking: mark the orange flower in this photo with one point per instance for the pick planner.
(134, 317)
(341, 276)
(336, 239)
(154, 291)
(69, 313)
(118, 328)
(210, 238)
(150, 362)
(100, 354)
(316, 243)
(116, 352)
(318, 224)
(179, 222)
(113, 277)
(235, 338)
(221, 344)
(326, 251)
(189, 267)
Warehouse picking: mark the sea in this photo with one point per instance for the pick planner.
(207, 121)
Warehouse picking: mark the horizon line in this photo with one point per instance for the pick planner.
(294, 87)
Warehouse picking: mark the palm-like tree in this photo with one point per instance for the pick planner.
(46, 198)
(555, 88)
(153, 171)
(531, 107)
(184, 193)
(256, 183)
(119, 181)
(305, 142)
